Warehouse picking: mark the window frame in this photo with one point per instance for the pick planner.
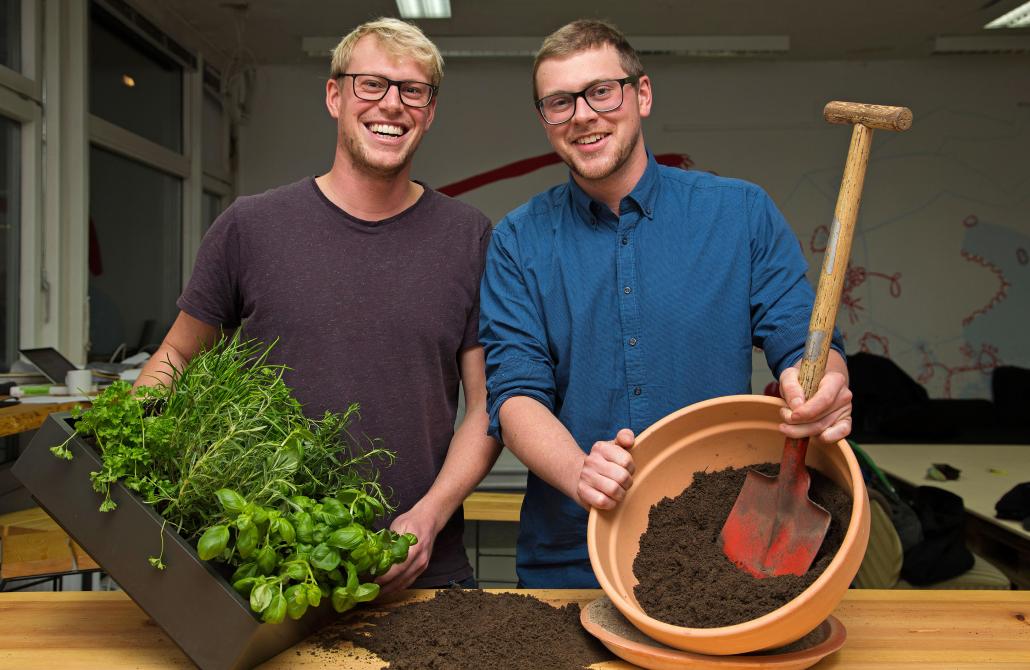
(20, 102)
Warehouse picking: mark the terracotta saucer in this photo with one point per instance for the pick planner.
(606, 623)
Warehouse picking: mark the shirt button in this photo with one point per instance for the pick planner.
(627, 290)
(632, 341)
(637, 391)
(625, 241)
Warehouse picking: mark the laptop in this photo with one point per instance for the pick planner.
(50, 362)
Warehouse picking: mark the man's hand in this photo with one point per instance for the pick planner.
(607, 472)
(827, 413)
(402, 575)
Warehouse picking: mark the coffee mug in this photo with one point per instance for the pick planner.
(79, 381)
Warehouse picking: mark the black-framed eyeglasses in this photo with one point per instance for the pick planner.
(372, 87)
(603, 96)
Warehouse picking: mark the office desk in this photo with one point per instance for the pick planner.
(988, 472)
(958, 630)
(487, 506)
(29, 416)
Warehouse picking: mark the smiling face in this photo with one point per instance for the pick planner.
(378, 137)
(595, 145)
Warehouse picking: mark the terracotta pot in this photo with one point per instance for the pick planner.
(732, 431)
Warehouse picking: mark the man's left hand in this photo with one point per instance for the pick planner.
(402, 575)
(826, 414)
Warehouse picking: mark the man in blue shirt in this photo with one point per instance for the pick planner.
(625, 294)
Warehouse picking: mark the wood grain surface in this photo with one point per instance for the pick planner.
(958, 630)
(29, 416)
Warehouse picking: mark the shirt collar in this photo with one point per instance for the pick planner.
(643, 195)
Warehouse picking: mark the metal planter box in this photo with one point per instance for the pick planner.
(194, 605)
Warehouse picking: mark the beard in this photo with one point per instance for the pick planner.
(596, 170)
(362, 160)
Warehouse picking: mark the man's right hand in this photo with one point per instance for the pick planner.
(607, 472)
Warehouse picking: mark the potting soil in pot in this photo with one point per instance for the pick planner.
(469, 630)
(686, 580)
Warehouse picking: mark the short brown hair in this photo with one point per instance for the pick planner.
(586, 34)
(399, 38)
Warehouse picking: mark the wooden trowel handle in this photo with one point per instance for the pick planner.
(838, 247)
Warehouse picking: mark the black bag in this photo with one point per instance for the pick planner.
(1015, 504)
(942, 554)
(903, 517)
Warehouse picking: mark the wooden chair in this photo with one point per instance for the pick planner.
(34, 549)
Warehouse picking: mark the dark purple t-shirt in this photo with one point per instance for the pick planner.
(375, 313)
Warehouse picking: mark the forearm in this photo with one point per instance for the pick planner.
(542, 443)
(160, 368)
(186, 337)
(469, 458)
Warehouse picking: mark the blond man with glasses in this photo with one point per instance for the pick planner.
(628, 292)
(369, 282)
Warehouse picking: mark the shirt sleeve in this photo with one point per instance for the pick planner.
(213, 293)
(781, 297)
(512, 332)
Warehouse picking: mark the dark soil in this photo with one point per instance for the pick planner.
(463, 629)
(686, 580)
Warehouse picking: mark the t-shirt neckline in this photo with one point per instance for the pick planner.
(364, 222)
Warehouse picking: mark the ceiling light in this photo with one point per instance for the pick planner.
(977, 44)
(1017, 18)
(702, 46)
(424, 9)
(128, 81)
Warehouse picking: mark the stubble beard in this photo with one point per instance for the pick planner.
(359, 158)
(596, 171)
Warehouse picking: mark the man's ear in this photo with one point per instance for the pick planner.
(644, 95)
(333, 95)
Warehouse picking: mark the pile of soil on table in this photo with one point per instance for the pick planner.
(686, 580)
(463, 629)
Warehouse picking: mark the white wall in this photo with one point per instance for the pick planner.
(940, 275)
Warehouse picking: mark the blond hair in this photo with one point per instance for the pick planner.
(585, 34)
(399, 38)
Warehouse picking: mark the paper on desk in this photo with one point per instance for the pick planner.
(52, 399)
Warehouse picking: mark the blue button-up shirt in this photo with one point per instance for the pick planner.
(616, 321)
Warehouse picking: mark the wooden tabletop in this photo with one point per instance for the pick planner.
(29, 416)
(486, 506)
(958, 630)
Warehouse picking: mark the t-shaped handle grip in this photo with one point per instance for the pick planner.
(880, 117)
(864, 118)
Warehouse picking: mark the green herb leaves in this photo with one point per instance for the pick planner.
(226, 455)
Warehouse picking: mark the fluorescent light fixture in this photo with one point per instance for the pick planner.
(1017, 18)
(424, 9)
(711, 46)
(976, 44)
(703, 46)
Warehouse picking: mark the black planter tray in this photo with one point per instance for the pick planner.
(189, 600)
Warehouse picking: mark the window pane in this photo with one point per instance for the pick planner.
(135, 253)
(10, 34)
(213, 135)
(212, 207)
(10, 240)
(132, 84)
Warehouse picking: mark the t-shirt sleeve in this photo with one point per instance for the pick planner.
(471, 337)
(781, 296)
(213, 292)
